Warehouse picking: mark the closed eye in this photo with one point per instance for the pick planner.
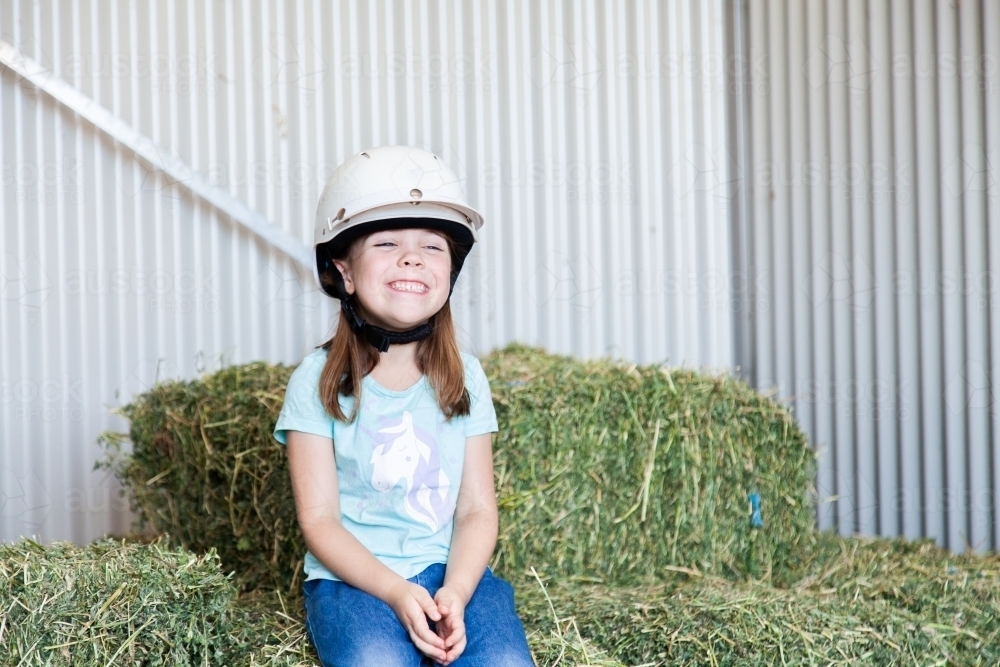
(391, 243)
(432, 247)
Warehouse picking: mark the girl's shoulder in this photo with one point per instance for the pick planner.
(470, 361)
(313, 361)
(310, 368)
(318, 355)
(475, 376)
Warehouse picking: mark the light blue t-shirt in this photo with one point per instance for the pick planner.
(399, 464)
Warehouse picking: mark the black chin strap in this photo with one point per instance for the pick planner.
(381, 338)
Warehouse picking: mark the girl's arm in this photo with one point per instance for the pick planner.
(475, 533)
(472, 543)
(313, 471)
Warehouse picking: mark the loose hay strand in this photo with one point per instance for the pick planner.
(648, 474)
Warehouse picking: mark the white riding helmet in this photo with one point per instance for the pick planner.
(389, 187)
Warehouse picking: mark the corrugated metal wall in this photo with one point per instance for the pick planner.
(873, 236)
(591, 136)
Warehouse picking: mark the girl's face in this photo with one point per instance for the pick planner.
(401, 277)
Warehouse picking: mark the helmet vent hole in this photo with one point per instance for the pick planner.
(367, 156)
(416, 194)
(340, 214)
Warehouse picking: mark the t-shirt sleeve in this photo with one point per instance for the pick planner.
(482, 416)
(302, 409)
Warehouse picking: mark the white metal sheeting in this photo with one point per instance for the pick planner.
(874, 238)
(591, 135)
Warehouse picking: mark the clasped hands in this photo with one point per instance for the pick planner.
(414, 606)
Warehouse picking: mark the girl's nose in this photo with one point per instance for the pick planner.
(411, 257)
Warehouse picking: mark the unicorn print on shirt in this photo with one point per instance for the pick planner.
(407, 458)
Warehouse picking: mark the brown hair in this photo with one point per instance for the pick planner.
(350, 358)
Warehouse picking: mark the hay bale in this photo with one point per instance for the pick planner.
(959, 591)
(583, 488)
(872, 602)
(113, 602)
(612, 472)
(205, 470)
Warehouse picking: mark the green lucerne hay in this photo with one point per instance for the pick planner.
(113, 603)
(871, 602)
(850, 601)
(960, 591)
(605, 472)
(625, 487)
(119, 603)
(720, 622)
(612, 472)
(205, 469)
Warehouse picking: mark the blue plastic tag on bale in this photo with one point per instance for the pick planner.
(756, 520)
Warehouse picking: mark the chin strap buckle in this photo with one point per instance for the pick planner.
(378, 337)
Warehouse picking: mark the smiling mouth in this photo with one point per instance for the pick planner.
(410, 286)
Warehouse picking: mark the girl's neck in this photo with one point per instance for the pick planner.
(397, 367)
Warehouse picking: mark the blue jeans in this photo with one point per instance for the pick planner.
(350, 628)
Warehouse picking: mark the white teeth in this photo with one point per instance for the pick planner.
(408, 287)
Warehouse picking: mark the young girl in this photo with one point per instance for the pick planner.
(389, 432)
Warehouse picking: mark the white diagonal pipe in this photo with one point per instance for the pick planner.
(156, 156)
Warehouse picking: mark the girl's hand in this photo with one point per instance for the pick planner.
(451, 627)
(413, 605)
